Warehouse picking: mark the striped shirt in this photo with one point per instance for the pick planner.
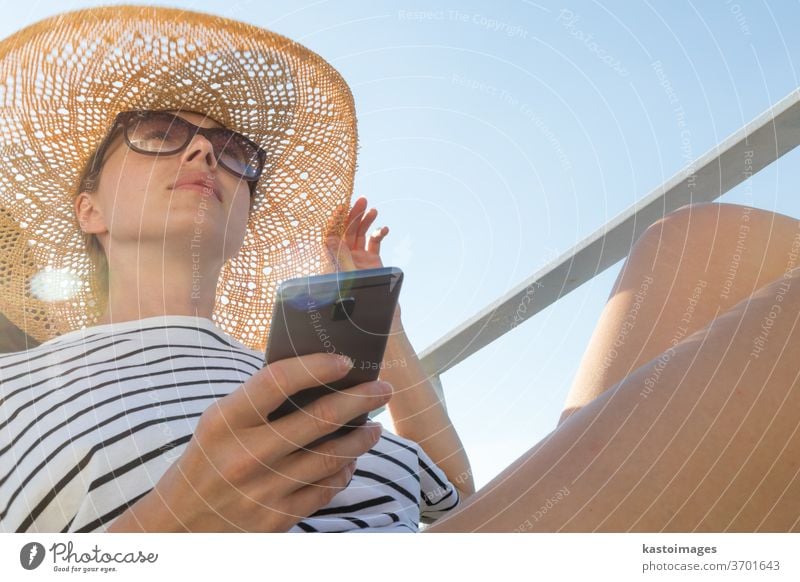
(91, 420)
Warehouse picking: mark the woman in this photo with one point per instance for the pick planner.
(674, 430)
(174, 218)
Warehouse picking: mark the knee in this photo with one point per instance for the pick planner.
(703, 216)
(705, 225)
(690, 226)
(739, 247)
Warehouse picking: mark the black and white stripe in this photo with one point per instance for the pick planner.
(91, 420)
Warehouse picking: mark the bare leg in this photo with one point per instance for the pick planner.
(704, 437)
(684, 271)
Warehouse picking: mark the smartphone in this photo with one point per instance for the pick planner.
(347, 313)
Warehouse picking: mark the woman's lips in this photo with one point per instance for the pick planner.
(202, 188)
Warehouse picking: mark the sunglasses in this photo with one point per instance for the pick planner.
(159, 133)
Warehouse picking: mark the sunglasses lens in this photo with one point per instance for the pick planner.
(158, 134)
(237, 154)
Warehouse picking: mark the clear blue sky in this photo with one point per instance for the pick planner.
(495, 135)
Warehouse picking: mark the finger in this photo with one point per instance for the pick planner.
(265, 390)
(353, 220)
(375, 239)
(309, 499)
(361, 234)
(323, 416)
(311, 465)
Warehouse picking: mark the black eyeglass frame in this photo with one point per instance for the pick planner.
(124, 118)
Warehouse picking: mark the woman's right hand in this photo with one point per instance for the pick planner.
(242, 473)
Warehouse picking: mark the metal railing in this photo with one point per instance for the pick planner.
(750, 149)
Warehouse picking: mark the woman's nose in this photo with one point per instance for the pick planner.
(200, 147)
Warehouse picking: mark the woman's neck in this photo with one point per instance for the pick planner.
(149, 287)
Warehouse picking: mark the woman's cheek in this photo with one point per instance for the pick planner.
(238, 218)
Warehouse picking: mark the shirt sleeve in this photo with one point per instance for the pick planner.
(438, 494)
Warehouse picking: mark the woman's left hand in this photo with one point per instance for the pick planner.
(354, 250)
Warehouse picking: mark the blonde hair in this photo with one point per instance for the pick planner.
(87, 182)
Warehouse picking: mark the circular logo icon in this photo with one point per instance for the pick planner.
(31, 555)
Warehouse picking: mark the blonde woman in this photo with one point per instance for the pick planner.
(207, 160)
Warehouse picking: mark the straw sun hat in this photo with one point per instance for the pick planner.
(62, 82)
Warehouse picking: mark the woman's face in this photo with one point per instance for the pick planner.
(179, 199)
